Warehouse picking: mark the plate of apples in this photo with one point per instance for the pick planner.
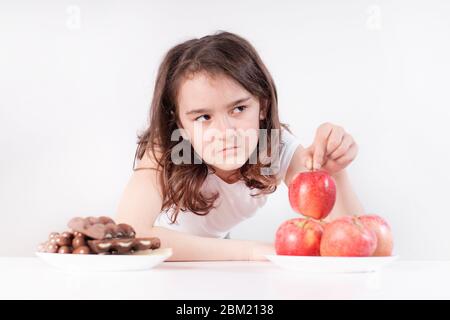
(347, 244)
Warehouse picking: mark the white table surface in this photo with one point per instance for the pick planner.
(30, 278)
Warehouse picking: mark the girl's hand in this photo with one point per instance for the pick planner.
(258, 250)
(333, 149)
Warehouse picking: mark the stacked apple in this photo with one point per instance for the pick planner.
(313, 195)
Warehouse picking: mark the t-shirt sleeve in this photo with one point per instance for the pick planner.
(288, 146)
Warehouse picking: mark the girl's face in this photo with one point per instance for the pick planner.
(220, 118)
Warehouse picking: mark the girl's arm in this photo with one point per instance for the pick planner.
(336, 157)
(188, 247)
(139, 206)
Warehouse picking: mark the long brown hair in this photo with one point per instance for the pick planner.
(221, 53)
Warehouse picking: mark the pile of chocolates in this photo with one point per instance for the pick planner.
(97, 235)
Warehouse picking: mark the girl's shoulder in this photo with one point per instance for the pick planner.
(149, 160)
(289, 142)
(287, 136)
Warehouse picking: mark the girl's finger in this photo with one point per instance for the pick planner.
(349, 155)
(335, 139)
(309, 162)
(320, 144)
(347, 141)
(319, 152)
(308, 157)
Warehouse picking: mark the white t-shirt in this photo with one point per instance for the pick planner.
(234, 203)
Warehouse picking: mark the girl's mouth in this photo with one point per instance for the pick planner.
(229, 149)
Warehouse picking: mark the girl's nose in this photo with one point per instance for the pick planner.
(227, 129)
(225, 124)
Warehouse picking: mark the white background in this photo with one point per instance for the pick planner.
(76, 80)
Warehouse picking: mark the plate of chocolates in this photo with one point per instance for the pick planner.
(99, 244)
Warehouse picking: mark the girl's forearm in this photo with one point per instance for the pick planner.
(347, 202)
(188, 247)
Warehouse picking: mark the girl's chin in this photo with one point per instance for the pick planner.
(228, 167)
(229, 164)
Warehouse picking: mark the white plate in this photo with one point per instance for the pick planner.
(331, 264)
(92, 262)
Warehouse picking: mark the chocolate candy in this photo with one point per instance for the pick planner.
(82, 250)
(101, 228)
(67, 234)
(123, 246)
(51, 248)
(125, 231)
(53, 235)
(78, 242)
(65, 249)
(78, 234)
(97, 235)
(63, 241)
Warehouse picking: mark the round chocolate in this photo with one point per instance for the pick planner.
(63, 241)
(65, 249)
(51, 248)
(67, 234)
(78, 242)
(53, 235)
(78, 234)
(82, 250)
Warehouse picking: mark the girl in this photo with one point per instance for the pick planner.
(217, 96)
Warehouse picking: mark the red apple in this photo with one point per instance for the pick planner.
(299, 237)
(347, 237)
(312, 194)
(383, 232)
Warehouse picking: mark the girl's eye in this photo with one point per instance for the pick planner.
(240, 109)
(204, 116)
